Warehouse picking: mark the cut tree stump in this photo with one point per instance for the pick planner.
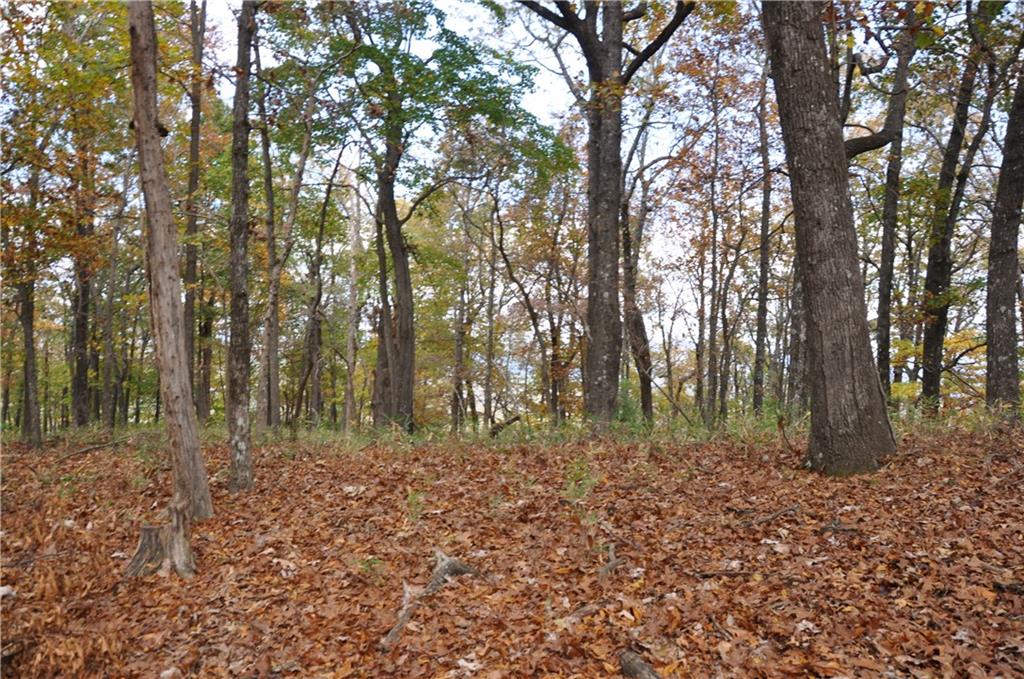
(165, 548)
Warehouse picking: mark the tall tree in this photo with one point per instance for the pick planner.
(939, 272)
(849, 425)
(191, 489)
(197, 17)
(241, 472)
(1002, 372)
(603, 52)
(764, 246)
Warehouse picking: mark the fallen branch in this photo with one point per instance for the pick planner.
(792, 509)
(446, 568)
(705, 575)
(632, 665)
(89, 449)
(613, 562)
(500, 427)
(1010, 587)
(836, 527)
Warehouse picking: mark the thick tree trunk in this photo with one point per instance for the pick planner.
(849, 425)
(604, 197)
(198, 28)
(237, 411)
(191, 490)
(1002, 371)
(458, 407)
(938, 275)
(764, 248)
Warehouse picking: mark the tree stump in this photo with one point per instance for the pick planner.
(165, 548)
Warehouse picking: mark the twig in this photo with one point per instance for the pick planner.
(836, 527)
(792, 509)
(613, 563)
(704, 575)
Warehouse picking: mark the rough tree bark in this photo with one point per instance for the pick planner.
(849, 425)
(241, 472)
(1002, 391)
(608, 79)
(191, 490)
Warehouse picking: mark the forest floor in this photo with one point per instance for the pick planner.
(730, 560)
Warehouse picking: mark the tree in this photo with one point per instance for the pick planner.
(241, 474)
(608, 81)
(197, 15)
(191, 491)
(849, 425)
(939, 273)
(1002, 374)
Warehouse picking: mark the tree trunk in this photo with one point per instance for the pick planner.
(636, 331)
(849, 425)
(938, 275)
(190, 481)
(237, 411)
(80, 304)
(263, 378)
(1002, 373)
(271, 369)
(197, 17)
(108, 401)
(764, 247)
(890, 214)
(402, 369)
(355, 246)
(604, 198)
(31, 429)
(202, 392)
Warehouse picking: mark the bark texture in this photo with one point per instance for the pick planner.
(1002, 370)
(190, 481)
(241, 473)
(849, 425)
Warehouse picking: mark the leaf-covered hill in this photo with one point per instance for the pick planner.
(728, 560)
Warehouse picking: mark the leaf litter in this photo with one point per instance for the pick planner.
(716, 560)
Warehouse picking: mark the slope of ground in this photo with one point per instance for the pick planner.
(729, 560)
